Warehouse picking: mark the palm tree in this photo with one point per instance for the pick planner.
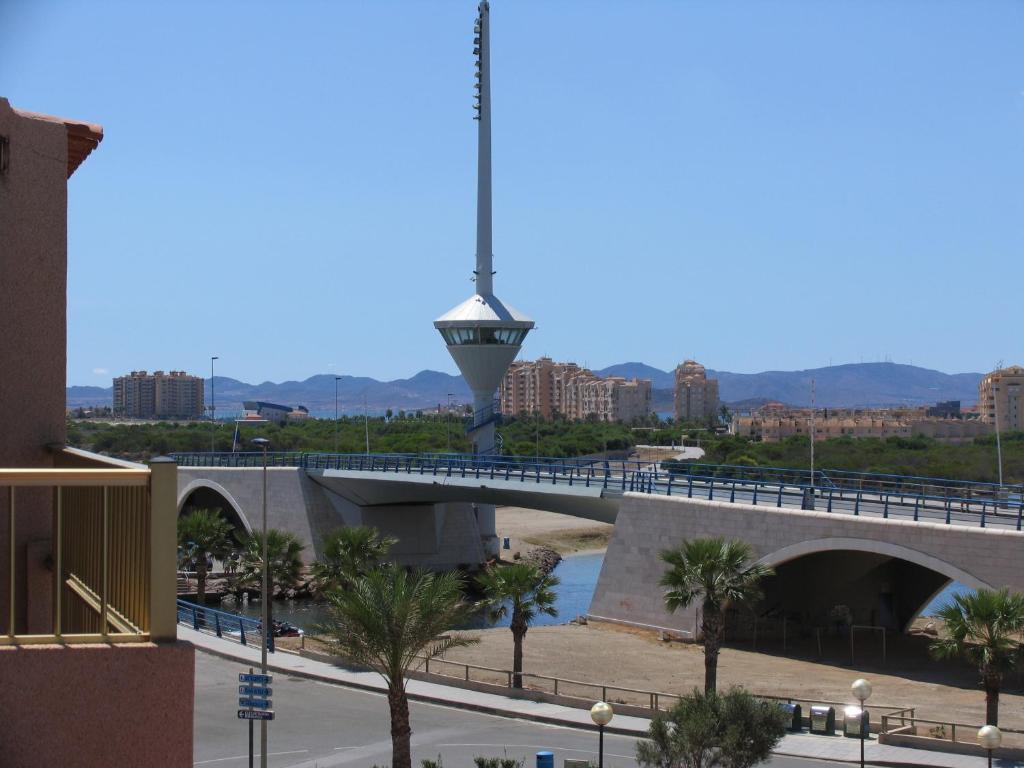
(981, 628)
(349, 553)
(284, 559)
(204, 533)
(388, 618)
(720, 574)
(526, 592)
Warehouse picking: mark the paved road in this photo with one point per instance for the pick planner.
(321, 725)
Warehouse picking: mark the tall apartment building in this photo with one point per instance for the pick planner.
(158, 395)
(696, 396)
(1000, 395)
(547, 388)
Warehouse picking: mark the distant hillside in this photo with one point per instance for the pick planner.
(853, 385)
(838, 386)
(659, 379)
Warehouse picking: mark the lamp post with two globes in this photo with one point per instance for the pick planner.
(601, 713)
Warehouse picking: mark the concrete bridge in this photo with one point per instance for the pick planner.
(882, 545)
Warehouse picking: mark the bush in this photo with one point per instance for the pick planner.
(734, 730)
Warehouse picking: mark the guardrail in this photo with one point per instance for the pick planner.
(904, 722)
(233, 626)
(972, 507)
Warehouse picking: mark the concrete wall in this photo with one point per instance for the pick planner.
(430, 535)
(117, 706)
(628, 590)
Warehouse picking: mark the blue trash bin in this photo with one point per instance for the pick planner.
(545, 760)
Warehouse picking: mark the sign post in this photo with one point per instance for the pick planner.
(254, 701)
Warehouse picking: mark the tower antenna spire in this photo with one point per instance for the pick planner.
(481, 47)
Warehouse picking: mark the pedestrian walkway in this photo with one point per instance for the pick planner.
(793, 745)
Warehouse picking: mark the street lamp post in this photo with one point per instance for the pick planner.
(366, 424)
(601, 713)
(861, 690)
(448, 420)
(263, 443)
(213, 408)
(336, 427)
(989, 737)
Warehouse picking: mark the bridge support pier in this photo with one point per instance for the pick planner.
(486, 521)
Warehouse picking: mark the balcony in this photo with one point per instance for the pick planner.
(88, 551)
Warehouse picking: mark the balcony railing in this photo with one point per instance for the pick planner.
(90, 552)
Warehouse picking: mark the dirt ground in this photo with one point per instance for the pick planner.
(612, 655)
(565, 534)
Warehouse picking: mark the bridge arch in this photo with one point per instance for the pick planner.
(211, 490)
(917, 585)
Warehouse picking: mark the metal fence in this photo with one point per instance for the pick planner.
(871, 495)
(233, 626)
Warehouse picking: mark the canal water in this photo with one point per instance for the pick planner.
(577, 576)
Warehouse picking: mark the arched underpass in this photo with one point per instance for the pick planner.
(879, 590)
(198, 495)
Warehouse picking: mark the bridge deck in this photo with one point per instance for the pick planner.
(590, 488)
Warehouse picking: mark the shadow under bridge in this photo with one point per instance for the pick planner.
(369, 488)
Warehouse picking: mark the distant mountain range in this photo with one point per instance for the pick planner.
(838, 386)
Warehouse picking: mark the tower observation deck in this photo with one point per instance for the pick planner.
(482, 333)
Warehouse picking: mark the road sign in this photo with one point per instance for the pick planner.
(257, 679)
(248, 714)
(254, 703)
(255, 690)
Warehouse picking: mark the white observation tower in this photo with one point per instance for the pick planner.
(483, 334)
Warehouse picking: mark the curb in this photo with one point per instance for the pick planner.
(545, 719)
(482, 708)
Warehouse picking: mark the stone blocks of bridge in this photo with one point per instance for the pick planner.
(628, 590)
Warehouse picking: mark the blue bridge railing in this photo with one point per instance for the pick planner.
(233, 626)
(917, 498)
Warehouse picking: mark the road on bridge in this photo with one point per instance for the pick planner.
(321, 725)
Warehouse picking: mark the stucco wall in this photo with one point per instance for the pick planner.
(111, 706)
(33, 287)
(628, 591)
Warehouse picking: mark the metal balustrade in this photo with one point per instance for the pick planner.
(111, 556)
(233, 626)
(887, 496)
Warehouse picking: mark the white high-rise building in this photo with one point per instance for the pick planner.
(483, 334)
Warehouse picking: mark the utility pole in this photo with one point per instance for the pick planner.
(366, 424)
(995, 406)
(213, 408)
(336, 423)
(448, 419)
(812, 435)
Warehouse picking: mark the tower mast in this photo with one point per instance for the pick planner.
(484, 257)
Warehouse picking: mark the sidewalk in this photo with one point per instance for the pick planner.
(792, 745)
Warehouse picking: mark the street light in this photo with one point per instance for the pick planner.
(336, 380)
(366, 424)
(263, 443)
(990, 737)
(601, 713)
(862, 691)
(448, 420)
(213, 407)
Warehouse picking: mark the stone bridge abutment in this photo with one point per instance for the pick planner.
(884, 570)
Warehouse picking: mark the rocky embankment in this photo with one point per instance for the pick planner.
(544, 559)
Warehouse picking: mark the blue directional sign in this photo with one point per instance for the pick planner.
(255, 690)
(248, 714)
(257, 679)
(254, 703)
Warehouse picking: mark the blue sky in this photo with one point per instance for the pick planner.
(760, 185)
